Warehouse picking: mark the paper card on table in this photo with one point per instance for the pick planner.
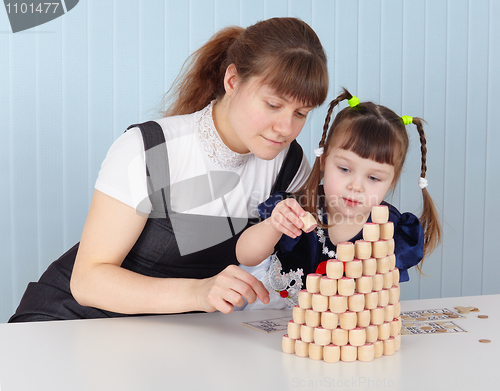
(269, 325)
(442, 327)
(430, 315)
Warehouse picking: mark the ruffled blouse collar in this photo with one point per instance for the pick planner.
(218, 152)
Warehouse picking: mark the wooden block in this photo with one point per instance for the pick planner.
(377, 316)
(397, 309)
(389, 346)
(348, 320)
(312, 318)
(392, 261)
(301, 348)
(383, 297)
(386, 230)
(395, 277)
(329, 320)
(312, 282)
(338, 304)
(345, 251)
(395, 327)
(322, 336)
(327, 286)
(362, 249)
(346, 286)
(379, 249)
(309, 222)
(364, 284)
(388, 312)
(340, 337)
(390, 246)
(334, 269)
(293, 330)
(371, 232)
(384, 331)
(305, 299)
(315, 351)
(377, 282)
(306, 333)
(394, 294)
(320, 302)
(356, 302)
(331, 353)
(371, 333)
(299, 315)
(379, 349)
(354, 269)
(383, 265)
(369, 266)
(366, 352)
(357, 336)
(371, 300)
(348, 353)
(364, 318)
(387, 280)
(288, 344)
(380, 214)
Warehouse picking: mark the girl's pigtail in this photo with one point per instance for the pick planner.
(310, 189)
(429, 218)
(202, 78)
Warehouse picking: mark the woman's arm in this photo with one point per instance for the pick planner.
(110, 231)
(257, 242)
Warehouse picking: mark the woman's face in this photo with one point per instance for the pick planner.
(259, 120)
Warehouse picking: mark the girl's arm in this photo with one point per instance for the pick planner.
(110, 231)
(257, 242)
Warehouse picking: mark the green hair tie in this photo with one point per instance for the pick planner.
(353, 102)
(407, 119)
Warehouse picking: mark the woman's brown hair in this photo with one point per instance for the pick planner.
(372, 132)
(285, 52)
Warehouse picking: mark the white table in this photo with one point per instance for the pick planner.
(215, 352)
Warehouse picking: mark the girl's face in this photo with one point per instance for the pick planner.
(260, 121)
(353, 185)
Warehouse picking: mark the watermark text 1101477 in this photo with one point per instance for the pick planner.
(25, 14)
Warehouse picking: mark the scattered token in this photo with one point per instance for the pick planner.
(482, 316)
(484, 341)
(422, 318)
(464, 310)
(475, 309)
(426, 328)
(453, 316)
(441, 330)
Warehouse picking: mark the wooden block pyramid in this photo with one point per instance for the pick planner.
(352, 313)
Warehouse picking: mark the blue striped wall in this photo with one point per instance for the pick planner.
(70, 87)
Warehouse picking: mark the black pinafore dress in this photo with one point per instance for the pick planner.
(155, 254)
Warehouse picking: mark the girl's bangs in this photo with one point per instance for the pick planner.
(369, 140)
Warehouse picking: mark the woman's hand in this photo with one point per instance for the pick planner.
(286, 218)
(228, 289)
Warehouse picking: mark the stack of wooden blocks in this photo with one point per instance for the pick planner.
(352, 313)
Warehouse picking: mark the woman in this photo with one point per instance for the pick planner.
(235, 111)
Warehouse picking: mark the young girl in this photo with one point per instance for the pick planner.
(360, 161)
(235, 112)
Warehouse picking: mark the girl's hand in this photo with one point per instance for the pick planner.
(229, 288)
(286, 218)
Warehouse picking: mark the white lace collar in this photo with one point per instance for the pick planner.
(216, 150)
